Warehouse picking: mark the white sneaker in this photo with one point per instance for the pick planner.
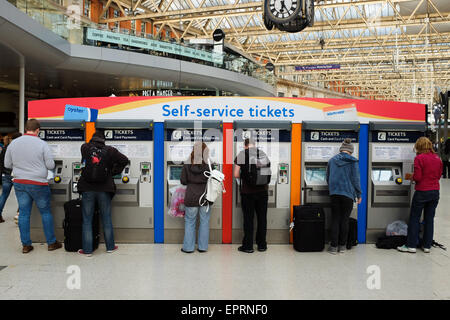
(406, 249)
(426, 250)
(113, 250)
(88, 255)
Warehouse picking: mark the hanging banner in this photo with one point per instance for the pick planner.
(150, 44)
(318, 67)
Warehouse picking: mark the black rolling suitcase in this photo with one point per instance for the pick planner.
(309, 228)
(73, 224)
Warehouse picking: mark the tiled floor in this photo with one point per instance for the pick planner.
(163, 272)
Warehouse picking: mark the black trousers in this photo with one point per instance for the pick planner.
(341, 209)
(446, 169)
(251, 203)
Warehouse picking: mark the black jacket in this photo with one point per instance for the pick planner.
(4, 170)
(193, 177)
(116, 163)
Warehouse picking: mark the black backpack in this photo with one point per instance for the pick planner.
(256, 170)
(96, 165)
(390, 242)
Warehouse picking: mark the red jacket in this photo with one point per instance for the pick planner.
(427, 171)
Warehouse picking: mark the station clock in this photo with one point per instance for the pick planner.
(282, 11)
(288, 15)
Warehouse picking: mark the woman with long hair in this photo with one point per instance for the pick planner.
(427, 172)
(193, 176)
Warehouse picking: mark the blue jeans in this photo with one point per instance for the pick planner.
(427, 202)
(6, 190)
(190, 219)
(26, 194)
(88, 204)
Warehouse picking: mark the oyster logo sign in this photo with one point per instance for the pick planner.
(76, 113)
(346, 112)
(42, 134)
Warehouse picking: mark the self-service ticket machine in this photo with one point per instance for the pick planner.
(274, 138)
(64, 139)
(391, 156)
(320, 142)
(132, 205)
(179, 139)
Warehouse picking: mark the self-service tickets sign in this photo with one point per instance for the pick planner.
(228, 109)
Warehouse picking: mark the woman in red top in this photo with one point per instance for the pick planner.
(427, 172)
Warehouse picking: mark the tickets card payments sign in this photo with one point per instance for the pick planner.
(263, 135)
(61, 134)
(128, 134)
(188, 135)
(396, 136)
(330, 136)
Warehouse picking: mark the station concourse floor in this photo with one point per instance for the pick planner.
(162, 271)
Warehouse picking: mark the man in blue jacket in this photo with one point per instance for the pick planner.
(344, 185)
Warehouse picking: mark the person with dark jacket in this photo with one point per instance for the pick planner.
(98, 190)
(344, 185)
(5, 173)
(426, 176)
(445, 157)
(254, 198)
(193, 176)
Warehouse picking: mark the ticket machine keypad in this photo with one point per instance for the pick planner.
(283, 173)
(145, 172)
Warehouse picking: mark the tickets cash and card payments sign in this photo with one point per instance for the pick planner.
(330, 136)
(61, 134)
(191, 135)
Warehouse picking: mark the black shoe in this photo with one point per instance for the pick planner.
(182, 250)
(262, 249)
(201, 251)
(241, 248)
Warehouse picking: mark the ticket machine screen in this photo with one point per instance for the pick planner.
(317, 174)
(382, 174)
(175, 172)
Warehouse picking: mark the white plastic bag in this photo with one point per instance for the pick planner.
(177, 207)
(397, 228)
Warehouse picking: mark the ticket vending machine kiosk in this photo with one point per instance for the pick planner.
(64, 139)
(274, 138)
(132, 205)
(320, 142)
(179, 139)
(391, 156)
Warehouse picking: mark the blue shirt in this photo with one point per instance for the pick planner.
(343, 176)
